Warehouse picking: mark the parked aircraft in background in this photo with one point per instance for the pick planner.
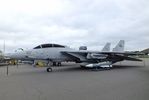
(58, 53)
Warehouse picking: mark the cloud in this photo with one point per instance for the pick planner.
(27, 23)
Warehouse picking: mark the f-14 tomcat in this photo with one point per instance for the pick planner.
(59, 53)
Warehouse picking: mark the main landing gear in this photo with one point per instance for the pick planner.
(101, 68)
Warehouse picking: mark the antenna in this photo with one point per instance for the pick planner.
(4, 47)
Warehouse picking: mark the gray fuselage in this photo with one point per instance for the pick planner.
(40, 53)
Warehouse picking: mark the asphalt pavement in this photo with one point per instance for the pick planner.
(126, 81)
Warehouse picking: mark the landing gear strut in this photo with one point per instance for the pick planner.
(57, 64)
(49, 69)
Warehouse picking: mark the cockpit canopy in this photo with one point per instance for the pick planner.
(49, 46)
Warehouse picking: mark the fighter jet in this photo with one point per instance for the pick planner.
(60, 53)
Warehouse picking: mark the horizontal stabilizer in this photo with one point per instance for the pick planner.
(128, 58)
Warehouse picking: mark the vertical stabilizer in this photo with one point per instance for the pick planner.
(106, 47)
(120, 46)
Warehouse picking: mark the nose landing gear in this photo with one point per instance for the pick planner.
(49, 69)
(57, 64)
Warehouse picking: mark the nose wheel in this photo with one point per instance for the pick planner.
(49, 69)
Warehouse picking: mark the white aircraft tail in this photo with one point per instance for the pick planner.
(106, 47)
(120, 46)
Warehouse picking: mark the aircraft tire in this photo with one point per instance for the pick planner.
(107, 68)
(49, 69)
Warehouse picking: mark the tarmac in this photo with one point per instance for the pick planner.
(126, 81)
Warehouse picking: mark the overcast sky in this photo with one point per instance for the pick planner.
(27, 23)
